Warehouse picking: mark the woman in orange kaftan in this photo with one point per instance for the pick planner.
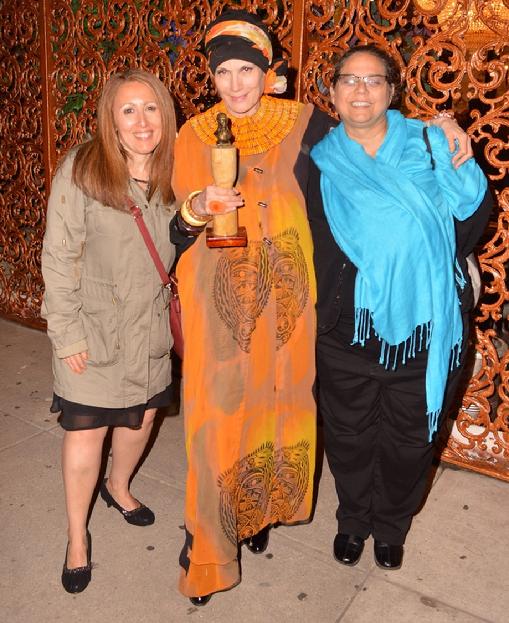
(248, 318)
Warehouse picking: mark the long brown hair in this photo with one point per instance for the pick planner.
(100, 167)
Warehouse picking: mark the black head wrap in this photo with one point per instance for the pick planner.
(248, 40)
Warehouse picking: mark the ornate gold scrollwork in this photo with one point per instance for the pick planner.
(56, 55)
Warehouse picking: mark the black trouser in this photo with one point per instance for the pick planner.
(376, 436)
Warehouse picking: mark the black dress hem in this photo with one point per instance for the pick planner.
(75, 416)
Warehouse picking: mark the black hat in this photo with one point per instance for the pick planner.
(240, 35)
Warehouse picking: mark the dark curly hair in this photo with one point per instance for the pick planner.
(392, 70)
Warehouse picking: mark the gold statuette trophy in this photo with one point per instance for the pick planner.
(225, 230)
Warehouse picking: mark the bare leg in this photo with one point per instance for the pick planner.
(81, 460)
(127, 447)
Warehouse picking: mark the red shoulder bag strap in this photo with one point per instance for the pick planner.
(138, 218)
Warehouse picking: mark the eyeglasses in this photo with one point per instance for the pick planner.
(351, 80)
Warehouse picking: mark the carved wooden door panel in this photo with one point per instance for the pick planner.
(56, 55)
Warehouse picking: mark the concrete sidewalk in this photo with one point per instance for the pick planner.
(456, 565)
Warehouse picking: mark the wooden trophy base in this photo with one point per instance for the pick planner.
(218, 242)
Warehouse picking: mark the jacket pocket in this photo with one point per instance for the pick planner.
(100, 316)
(107, 221)
(160, 343)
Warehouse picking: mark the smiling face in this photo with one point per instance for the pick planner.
(361, 106)
(240, 84)
(137, 118)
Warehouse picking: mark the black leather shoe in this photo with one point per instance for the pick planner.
(388, 556)
(200, 601)
(141, 516)
(76, 580)
(259, 542)
(348, 548)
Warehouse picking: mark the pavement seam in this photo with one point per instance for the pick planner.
(322, 556)
(171, 485)
(439, 602)
(20, 441)
(29, 422)
(358, 590)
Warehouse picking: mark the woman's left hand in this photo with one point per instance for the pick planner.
(77, 362)
(458, 139)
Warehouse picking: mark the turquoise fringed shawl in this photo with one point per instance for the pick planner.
(393, 217)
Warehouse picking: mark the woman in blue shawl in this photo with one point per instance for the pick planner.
(392, 221)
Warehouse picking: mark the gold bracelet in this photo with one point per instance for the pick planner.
(199, 217)
(189, 215)
(187, 218)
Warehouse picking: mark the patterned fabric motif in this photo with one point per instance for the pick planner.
(244, 278)
(263, 480)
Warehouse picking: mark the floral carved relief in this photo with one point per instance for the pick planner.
(454, 54)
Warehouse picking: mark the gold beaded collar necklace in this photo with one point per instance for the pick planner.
(256, 134)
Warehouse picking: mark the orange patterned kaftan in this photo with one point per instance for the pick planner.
(249, 364)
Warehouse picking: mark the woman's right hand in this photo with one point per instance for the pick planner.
(216, 200)
(77, 362)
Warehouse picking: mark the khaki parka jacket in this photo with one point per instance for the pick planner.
(104, 295)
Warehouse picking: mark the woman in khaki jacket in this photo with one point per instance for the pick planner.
(106, 309)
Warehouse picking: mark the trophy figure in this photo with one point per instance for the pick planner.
(225, 230)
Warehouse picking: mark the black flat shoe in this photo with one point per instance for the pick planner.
(76, 580)
(388, 556)
(200, 601)
(141, 516)
(259, 542)
(348, 548)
